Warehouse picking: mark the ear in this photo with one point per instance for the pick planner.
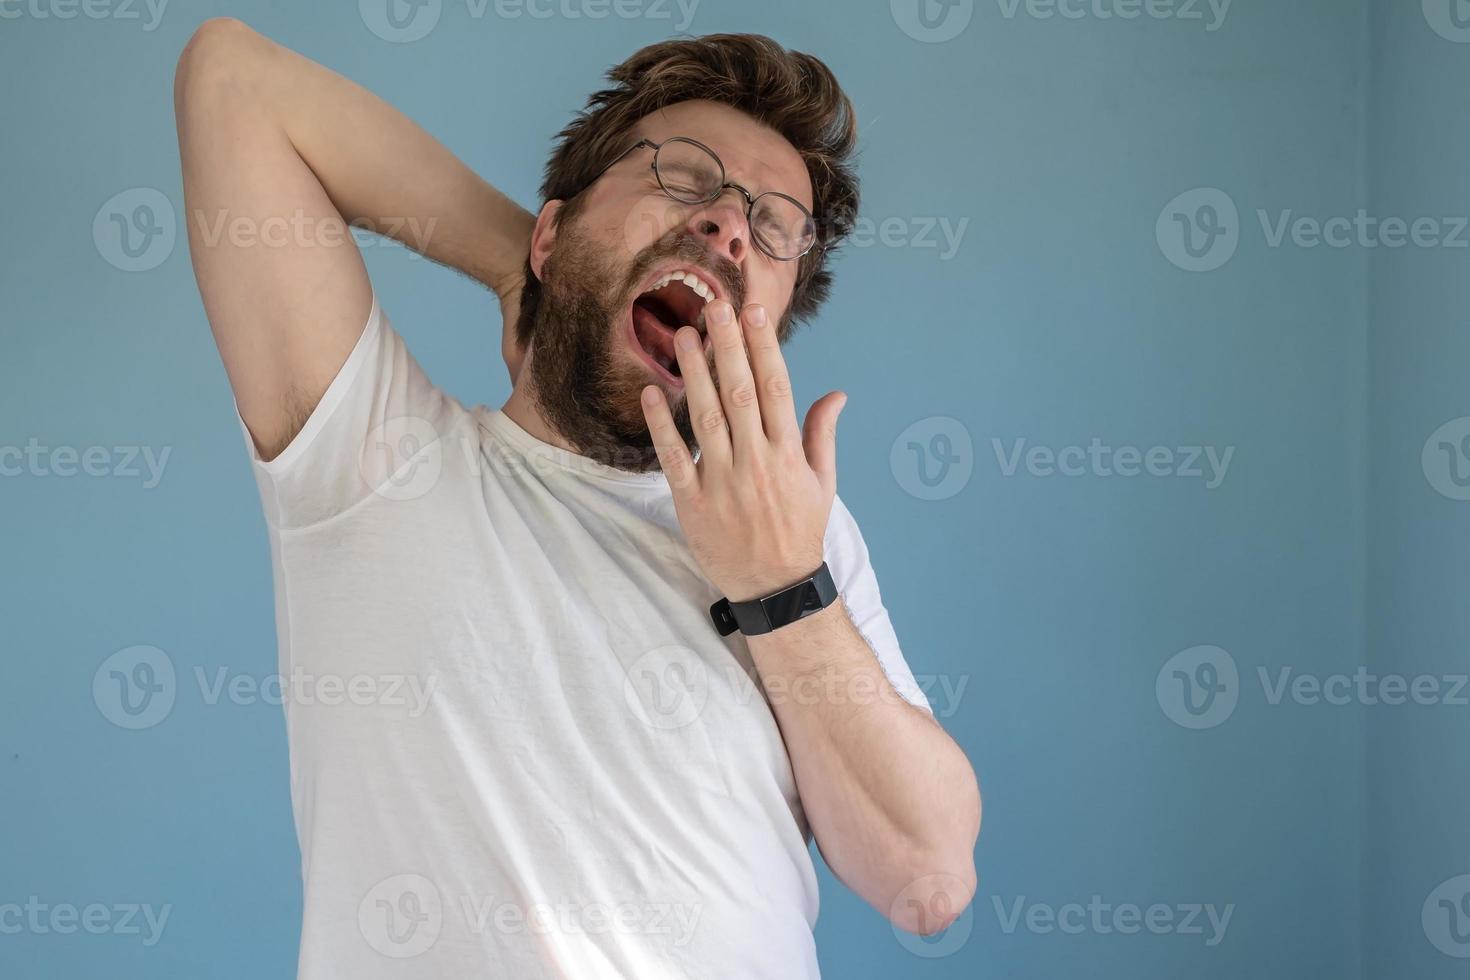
(543, 236)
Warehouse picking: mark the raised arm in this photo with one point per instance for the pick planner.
(279, 156)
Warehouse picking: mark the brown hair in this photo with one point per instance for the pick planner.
(793, 93)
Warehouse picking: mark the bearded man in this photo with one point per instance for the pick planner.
(607, 658)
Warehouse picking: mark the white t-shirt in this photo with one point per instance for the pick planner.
(518, 746)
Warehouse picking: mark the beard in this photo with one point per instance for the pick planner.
(585, 391)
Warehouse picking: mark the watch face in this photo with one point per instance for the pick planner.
(791, 605)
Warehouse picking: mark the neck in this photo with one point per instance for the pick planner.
(523, 408)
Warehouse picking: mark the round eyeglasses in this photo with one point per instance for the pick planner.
(691, 173)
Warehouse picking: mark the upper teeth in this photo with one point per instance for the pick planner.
(689, 279)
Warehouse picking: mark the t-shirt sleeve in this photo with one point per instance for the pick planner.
(378, 417)
(852, 573)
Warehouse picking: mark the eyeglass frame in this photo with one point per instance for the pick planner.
(749, 198)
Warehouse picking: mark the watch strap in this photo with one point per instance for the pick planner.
(757, 616)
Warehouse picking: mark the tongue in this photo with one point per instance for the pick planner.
(655, 336)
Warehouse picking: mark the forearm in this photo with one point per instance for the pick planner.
(891, 799)
(380, 169)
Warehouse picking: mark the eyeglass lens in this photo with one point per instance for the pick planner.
(691, 174)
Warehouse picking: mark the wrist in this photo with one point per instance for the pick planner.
(771, 579)
(768, 610)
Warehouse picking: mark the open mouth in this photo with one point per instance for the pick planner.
(675, 299)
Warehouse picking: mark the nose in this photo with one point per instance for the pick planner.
(720, 225)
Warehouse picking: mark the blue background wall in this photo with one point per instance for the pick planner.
(1105, 634)
(1418, 850)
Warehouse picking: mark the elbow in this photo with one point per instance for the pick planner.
(941, 882)
(932, 901)
(214, 48)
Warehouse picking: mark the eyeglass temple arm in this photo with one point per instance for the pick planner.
(617, 159)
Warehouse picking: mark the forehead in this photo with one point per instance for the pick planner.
(755, 156)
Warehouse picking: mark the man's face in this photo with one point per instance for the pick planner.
(615, 279)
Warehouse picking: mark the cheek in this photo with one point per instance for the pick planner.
(772, 290)
(626, 222)
(648, 219)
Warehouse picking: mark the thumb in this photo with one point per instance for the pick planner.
(819, 437)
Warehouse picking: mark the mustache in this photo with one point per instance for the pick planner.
(686, 249)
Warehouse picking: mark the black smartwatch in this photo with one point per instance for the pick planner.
(756, 616)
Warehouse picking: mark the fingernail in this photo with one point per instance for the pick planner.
(687, 338)
(719, 312)
(757, 315)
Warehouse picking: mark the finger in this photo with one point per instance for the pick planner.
(819, 438)
(772, 380)
(706, 414)
(737, 384)
(673, 454)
